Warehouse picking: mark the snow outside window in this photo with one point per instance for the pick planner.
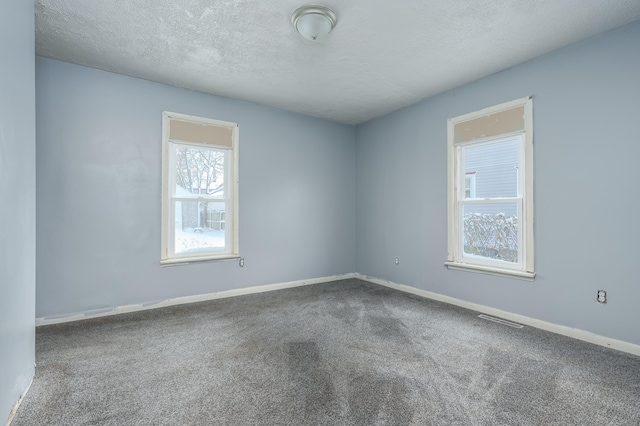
(490, 212)
(200, 189)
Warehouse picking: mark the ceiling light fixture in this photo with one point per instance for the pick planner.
(314, 22)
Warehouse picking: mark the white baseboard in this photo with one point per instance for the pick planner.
(575, 333)
(14, 410)
(190, 299)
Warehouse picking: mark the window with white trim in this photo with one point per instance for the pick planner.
(490, 190)
(199, 189)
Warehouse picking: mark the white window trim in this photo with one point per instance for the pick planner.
(455, 260)
(463, 201)
(168, 224)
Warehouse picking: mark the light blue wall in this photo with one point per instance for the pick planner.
(18, 202)
(586, 150)
(98, 218)
(98, 214)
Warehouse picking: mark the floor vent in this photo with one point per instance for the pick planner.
(500, 321)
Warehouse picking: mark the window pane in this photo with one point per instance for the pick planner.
(494, 167)
(200, 226)
(491, 231)
(199, 170)
(470, 185)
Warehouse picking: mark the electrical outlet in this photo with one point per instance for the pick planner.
(602, 296)
(397, 260)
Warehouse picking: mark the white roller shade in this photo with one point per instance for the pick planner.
(496, 124)
(208, 134)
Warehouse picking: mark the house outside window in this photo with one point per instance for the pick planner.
(199, 189)
(490, 190)
(470, 185)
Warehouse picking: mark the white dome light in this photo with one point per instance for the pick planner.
(314, 22)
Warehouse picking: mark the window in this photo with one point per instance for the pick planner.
(490, 190)
(470, 185)
(199, 189)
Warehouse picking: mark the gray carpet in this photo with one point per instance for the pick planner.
(340, 353)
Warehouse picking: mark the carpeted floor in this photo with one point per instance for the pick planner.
(340, 353)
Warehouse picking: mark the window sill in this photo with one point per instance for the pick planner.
(197, 259)
(529, 276)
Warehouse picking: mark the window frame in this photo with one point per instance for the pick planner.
(456, 182)
(232, 251)
(462, 200)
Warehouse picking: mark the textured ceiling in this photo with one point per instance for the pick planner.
(381, 56)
